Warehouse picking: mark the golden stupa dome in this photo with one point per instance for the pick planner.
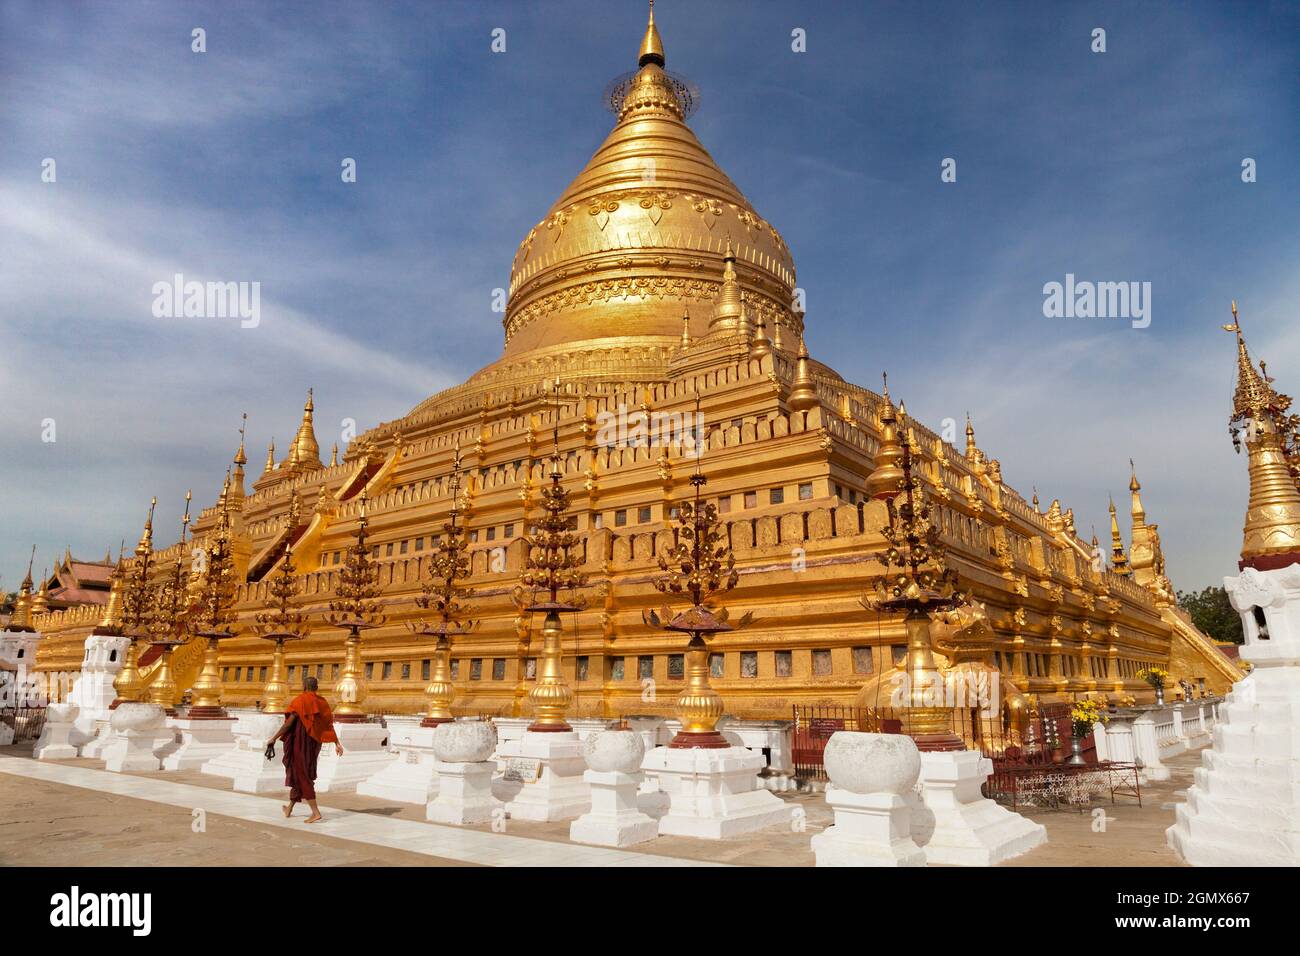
(640, 235)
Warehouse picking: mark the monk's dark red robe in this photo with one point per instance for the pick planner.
(314, 725)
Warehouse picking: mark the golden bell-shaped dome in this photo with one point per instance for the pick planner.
(641, 234)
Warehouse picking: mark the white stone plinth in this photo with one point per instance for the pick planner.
(713, 792)
(613, 819)
(410, 777)
(956, 825)
(136, 728)
(871, 829)
(365, 753)
(464, 793)
(559, 792)
(55, 742)
(245, 763)
(99, 736)
(201, 741)
(93, 691)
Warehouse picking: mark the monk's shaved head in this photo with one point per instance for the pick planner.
(309, 683)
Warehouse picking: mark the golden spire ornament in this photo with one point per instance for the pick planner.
(552, 567)
(701, 566)
(138, 605)
(1261, 420)
(355, 607)
(442, 595)
(167, 624)
(21, 620)
(281, 623)
(916, 582)
(1118, 559)
(214, 616)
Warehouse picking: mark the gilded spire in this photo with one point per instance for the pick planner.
(777, 345)
(146, 536)
(240, 460)
(27, 581)
(270, 459)
(972, 450)
(1118, 559)
(111, 621)
(1253, 393)
(803, 396)
(1134, 489)
(41, 600)
(305, 452)
(686, 328)
(886, 477)
(728, 307)
(334, 455)
(1271, 536)
(652, 47)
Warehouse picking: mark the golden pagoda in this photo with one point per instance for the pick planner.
(652, 279)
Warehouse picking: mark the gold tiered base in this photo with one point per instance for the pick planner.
(699, 706)
(551, 695)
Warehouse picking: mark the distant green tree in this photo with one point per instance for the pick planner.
(1211, 612)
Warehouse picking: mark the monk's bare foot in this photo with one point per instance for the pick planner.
(287, 808)
(314, 818)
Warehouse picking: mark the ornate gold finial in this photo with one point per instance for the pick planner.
(443, 594)
(240, 458)
(334, 455)
(1118, 559)
(686, 328)
(972, 450)
(652, 47)
(111, 620)
(803, 396)
(355, 607)
(886, 477)
(270, 459)
(281, 622)
(1271, 536)
(701, 566)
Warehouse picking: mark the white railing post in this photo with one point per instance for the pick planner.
(1147, 749)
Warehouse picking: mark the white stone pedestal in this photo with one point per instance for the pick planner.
(245, 763)
(870, 829)
(464, 793)
(713, 792)
(136, 728)
(201, 741)
(558, 792)
(613, 819)
(1243, 808)
(55, 742)
(410, 777)
(955, 824)
(365, 753)
(99, 736)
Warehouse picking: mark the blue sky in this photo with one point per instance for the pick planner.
(1114, 166)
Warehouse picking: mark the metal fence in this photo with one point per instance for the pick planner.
(27, 722)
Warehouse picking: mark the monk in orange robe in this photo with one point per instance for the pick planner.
(308, 723)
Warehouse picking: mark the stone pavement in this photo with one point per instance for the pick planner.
(73, 813)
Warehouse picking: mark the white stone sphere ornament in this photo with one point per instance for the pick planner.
(618, 749)
(137, 716)
(464, 741)
(872, 763)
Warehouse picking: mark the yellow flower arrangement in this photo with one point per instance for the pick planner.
(1083, 715)
(1155, 676)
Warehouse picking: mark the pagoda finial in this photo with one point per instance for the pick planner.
(686, 327)
(803, 396)
(1134, 487)
(305, 452)
(728, 308)
(146, 536)
(27, 581)
(270, 458)
(652, 47)
(1118, 559)
(240, 458)
(334, 455)
(972, 450)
